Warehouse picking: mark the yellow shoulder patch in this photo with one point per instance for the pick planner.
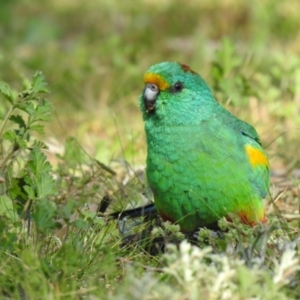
(256, 156)
(156, 79)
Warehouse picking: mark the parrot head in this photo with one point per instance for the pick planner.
(173, 92)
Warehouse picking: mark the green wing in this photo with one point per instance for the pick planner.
(260, 174)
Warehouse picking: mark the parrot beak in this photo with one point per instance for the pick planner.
(150, 95)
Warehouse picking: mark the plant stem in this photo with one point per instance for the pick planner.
(5, 120)
(8, 157)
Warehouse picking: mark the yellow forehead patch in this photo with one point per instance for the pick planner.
(256, 156)
(156, 79)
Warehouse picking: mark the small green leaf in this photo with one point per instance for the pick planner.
(14, 137)
(42, 111)
(45, 185)
(81, 224)
(28, 107)
(6, 91)
(44, 213)
(40, 182)
(18, 120)
(30, 192)
(38, 162)
(39, 144)
(38, 128)
(21, 142)
(67, 210)
(39, 85)
(10, 135)
(7, 209)
(16, 189)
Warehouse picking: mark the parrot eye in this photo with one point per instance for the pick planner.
(177, 87)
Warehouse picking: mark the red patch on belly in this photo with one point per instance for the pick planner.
(245, 220)
(166, 218)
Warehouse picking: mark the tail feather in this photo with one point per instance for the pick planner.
(147, 210)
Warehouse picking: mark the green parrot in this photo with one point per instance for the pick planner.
(203, 163)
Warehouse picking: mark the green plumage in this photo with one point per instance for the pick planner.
(197, 163)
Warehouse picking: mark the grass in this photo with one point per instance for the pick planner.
(93, 56)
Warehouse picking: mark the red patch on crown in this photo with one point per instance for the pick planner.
(186, 68)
